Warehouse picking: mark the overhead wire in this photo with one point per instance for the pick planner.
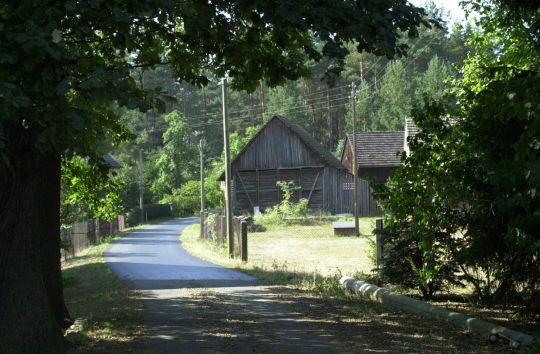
(322, 100)
(259, 116)
(305, 96)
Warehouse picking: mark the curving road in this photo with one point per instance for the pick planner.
(152, 258)
(194, 306)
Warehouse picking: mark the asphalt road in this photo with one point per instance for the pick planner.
(194, 306)
(152, 258)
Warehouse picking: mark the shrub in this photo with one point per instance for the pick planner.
(422, 211)
(286, 208)
(151, 211)
(186, 200)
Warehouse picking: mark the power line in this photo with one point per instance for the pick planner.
(254, 107)
(321, 100)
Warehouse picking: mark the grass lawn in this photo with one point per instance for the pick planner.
(300, 254)
(309, 249)
(106, 313)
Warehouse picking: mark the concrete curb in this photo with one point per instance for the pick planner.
(408, 304)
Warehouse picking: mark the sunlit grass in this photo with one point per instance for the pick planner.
(309, 249)
(308, 256)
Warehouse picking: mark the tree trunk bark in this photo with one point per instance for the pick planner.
(47, 229)
(28, 323)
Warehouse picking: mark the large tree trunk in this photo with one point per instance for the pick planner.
(27, 321)
(47, 228)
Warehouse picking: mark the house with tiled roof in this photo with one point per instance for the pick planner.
(377, 154)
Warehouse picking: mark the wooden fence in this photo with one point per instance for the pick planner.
(81, 235)
(214, 228)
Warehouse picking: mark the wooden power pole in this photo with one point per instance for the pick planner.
(261, 85)
(355, 163)
(203, 197)
(364, 120)
(141, 185)
(330, 123)
(228, 201)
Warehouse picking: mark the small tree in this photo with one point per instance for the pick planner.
(286, 208)
(422, 210)
(177, 160)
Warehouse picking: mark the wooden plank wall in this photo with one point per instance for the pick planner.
(332, 190)
(258, 188)
(368, 206)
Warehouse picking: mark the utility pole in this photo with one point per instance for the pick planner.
(141, 185)
(355, 167)
(203, 197)
(330, 123)
(262, 98)
(228, 201)
(364, 123)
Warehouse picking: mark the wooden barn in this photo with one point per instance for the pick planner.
(377, 155)
(284, 151)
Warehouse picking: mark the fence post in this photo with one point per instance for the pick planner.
(378, 241)
(207, 226)
(211, 227)
(202, 224)
(223, 230)
(91, 234)
(237, 232)
(217, 226)
(244, 241)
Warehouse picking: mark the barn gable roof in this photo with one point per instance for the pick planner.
(304, 136)
(310, 141)
(378, 149)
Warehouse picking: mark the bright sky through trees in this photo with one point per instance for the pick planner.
(452, 6)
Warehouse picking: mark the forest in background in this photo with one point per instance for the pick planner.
(166, 141)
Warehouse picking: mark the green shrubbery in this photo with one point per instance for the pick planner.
(151, 212)
(464, 208)
(279, 213)
(186, 200)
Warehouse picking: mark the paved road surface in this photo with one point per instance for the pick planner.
(193, 306)
(153, 258)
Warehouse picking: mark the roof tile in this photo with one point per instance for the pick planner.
(378, 149)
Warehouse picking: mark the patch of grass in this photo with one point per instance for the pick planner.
(309, 257)
(106, 313)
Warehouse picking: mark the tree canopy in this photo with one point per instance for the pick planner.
(66, 67)
(464, 207)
